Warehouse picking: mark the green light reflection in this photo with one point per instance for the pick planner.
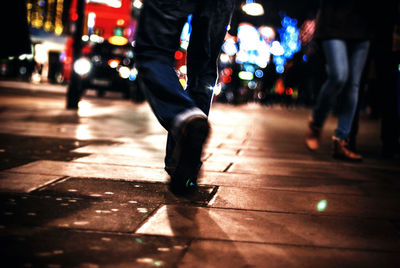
(321, 206)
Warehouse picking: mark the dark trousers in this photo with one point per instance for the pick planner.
(157, 40)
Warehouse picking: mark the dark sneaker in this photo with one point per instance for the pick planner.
(188, 150)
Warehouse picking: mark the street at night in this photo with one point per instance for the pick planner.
(212, 133)
(87, 188)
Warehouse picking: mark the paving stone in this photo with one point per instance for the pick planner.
(24, 183)
(279, 228)
(125, 191)
(308, 203)
(314, 172)
(141, 160)
(205, 253)
(376, 188)
(129, 150)
(16, 150)
(44, 247)
(115, 172)
(72, 212)
(92, 204)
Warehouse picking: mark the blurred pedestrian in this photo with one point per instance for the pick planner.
(387, 59)
(344, 29)
(182, 112)
(14, 29)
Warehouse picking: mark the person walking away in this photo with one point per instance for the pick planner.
(344, 29)
(182, 112)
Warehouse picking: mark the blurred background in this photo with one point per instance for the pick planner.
(269, 55)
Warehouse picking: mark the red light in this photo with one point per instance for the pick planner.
(289, 91)
(228, 71)
(86, 49)
(74, 16)
(226, 79)
(68, 60)
(178, 55)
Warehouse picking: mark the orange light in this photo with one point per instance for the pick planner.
(279, 86)
(118, 40)
(113, 63)
(120, 22)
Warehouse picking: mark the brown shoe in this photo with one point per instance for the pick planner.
(341, 150)
(313, 135)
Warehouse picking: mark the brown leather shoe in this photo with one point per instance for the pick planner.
(313, 135)
(341, 150)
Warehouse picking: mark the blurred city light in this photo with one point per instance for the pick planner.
(124, 72)
(111, 3)
(133, 74)
(252, 48)
(118, 40)
(277, 49)
(244, 75)
(82, 66)
(229, 47)
(290, 43)
(252, 8)
(137, 4)
(113, 63)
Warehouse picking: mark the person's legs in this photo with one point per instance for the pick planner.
(157, 39)
(337, 72)
(358, 52)
(335, 52)
(209, 23)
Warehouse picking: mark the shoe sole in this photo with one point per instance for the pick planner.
(188, 154)
(344, 158)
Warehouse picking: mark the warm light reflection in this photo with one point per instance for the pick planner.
(82, 132)
(85, 108)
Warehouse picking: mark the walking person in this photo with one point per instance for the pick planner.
(344, 29)
(182, 112)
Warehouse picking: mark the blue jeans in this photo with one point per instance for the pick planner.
(157, 40)
(345, 64)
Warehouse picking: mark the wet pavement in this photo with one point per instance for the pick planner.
(87, 188)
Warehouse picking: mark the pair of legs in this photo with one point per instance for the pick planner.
(345, 63)
(157, 40)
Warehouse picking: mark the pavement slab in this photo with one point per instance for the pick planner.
(92, 204)
(23, 183)
(16, 150)
(275, 228)
(49, 247)
(307, 203)
(93, 170)
(208, 253)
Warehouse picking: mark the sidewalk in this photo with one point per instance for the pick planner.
(88, 189)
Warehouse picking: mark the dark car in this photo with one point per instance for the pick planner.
(107, 67)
